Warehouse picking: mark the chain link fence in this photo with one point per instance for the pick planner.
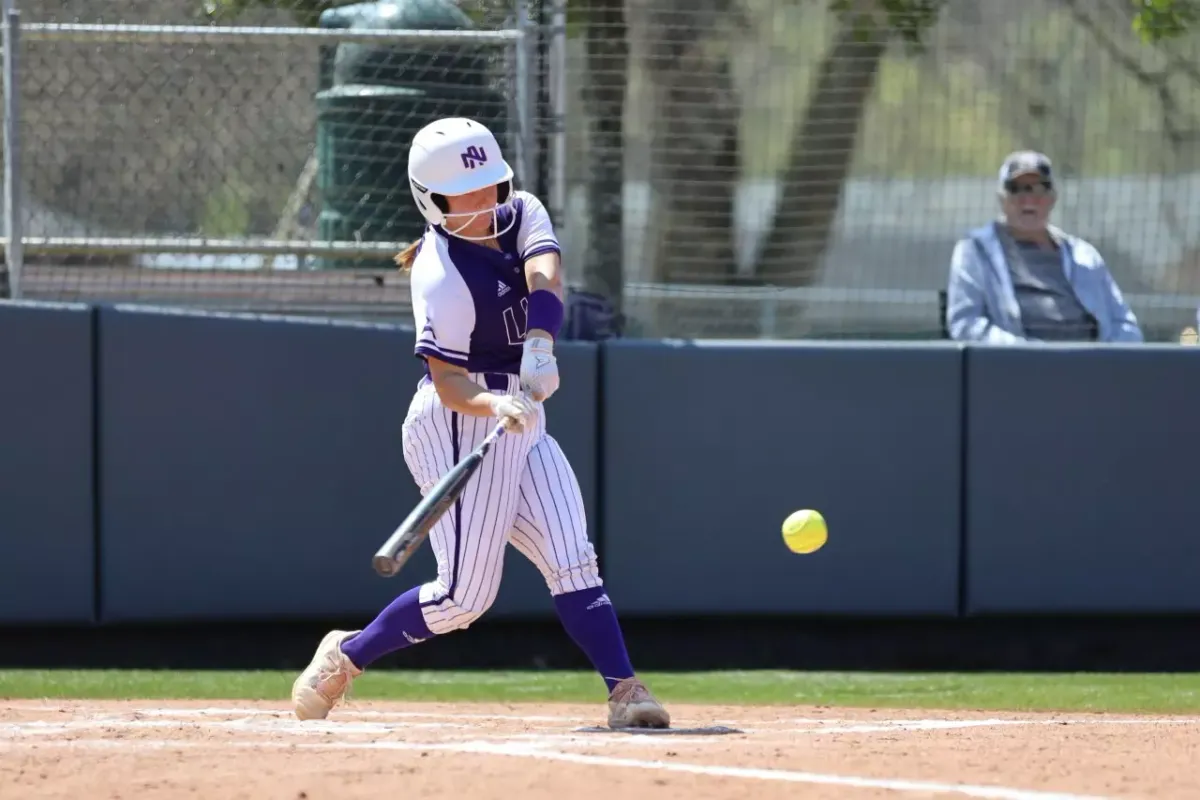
(791, 172)
(718, 168)
(246, 156)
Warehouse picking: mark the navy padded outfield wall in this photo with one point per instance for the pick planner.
(47, 572)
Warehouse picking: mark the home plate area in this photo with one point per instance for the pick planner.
(169, 749)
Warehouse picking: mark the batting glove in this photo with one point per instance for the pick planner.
(539, 369)
(514, 411)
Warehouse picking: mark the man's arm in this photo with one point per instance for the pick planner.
(966, 309)
(1125, 327)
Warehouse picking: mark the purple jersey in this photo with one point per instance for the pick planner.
(470, 302)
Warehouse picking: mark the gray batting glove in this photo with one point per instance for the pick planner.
(539, 369)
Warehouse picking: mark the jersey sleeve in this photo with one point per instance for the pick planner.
(536, 234)
(444, 313)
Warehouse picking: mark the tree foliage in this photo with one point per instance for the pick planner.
(1157, 20)
(907, 19)
(824, 141)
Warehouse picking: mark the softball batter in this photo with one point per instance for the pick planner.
(487, 302)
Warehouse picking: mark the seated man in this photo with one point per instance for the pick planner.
(1020, 279)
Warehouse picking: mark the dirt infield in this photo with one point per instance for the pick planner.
(157, 749)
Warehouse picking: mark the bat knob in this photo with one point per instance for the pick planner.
(385, 566)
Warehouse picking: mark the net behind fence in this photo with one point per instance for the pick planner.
(760, 168)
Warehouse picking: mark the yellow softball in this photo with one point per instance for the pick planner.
(804, 531)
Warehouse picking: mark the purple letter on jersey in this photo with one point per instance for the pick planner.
(396, 627)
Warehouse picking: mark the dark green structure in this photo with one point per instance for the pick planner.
(374, 98)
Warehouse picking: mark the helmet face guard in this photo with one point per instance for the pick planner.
(456, 156)
(503, 201)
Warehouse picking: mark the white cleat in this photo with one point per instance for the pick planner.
(325, 682)
(632, 706)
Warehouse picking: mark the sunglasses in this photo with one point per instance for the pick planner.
(1042, 187)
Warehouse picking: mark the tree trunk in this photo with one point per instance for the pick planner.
(696, 145)
(605, 85)
(822, 152)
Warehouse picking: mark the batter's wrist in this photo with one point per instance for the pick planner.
(545, 313)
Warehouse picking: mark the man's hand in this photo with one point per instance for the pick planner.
(539, 368)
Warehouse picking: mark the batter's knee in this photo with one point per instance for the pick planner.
(452, 617)
(458, 610)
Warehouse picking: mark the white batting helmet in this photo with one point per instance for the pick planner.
(453, 156)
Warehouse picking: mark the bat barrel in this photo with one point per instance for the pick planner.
(391, 557)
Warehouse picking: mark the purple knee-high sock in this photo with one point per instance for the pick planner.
(396, 627)
(590, 620)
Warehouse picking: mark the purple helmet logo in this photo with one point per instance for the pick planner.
(473, 157)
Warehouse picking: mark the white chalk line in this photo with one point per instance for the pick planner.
(43, 729)
(269, 712)
(843, 725)
(279, 725)
(1031, 720)
(312, 728)
(271, 721)
(301, 730)
(527, 751)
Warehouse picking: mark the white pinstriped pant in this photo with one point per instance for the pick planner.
(524, 493)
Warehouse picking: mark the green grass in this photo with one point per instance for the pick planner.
(1129, 693)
